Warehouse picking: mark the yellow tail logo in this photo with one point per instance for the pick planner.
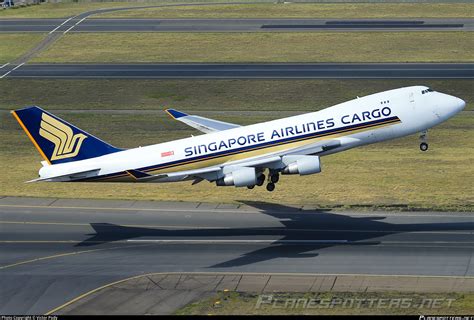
(66, 143)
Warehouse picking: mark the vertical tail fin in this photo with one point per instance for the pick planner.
(58, 141)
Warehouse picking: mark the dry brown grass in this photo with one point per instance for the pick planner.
(262, 47)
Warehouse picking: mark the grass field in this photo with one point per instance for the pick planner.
(13, 45)
(264, 10)
(304, 10)
(63, 10)
(263, 47)
(329, 304)
(440, 179)
(206, 95)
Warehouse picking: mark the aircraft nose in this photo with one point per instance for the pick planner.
(459, 104)
(454, 104)
(448, 105)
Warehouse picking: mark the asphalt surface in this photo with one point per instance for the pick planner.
(230, 25)
(165, 293)
(243, 71)
(54, 250)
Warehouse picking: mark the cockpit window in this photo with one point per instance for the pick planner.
(427, 90)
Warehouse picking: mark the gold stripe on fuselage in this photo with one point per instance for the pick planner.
(221, 159)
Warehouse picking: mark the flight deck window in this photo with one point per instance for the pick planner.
(427, 90)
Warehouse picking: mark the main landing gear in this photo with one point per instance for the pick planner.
(270, 186)
(260, 181)
(423, 143)
(273, 178)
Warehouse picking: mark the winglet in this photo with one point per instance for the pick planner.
(175, 114)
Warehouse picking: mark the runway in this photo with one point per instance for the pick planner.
(83, 24)
(243, 71)
(52, 250)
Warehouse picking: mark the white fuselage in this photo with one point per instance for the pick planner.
(353, 123)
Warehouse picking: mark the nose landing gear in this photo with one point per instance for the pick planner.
(423, 139)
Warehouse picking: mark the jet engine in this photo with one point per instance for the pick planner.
(239, 177)
(301, 165)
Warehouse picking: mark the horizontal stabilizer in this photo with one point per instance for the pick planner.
(69, 176)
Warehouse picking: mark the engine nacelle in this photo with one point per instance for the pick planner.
(239, 177)
(302, 165)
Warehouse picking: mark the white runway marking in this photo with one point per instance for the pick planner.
(75, 25)
(59, 26)
(3, 76)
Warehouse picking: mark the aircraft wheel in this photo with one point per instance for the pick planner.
(275, 178)
(423, 146)
(251, 187)
(270, 187)
(260, 180)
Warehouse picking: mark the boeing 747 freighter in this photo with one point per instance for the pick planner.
(232, 155)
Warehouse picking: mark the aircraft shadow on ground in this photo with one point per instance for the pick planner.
(301, 233)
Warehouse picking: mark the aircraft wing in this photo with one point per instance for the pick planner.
(198, 175)
(202, 124)
(270, 160)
